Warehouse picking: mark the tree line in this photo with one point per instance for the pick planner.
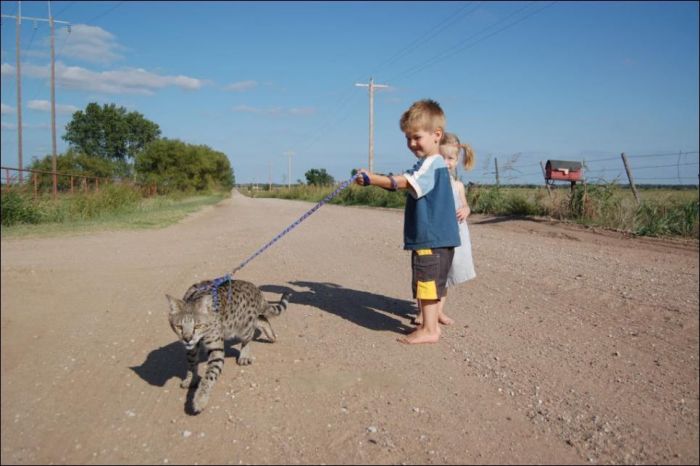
(109, 142)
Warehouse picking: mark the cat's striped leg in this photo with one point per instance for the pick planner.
(215, 364)
(244, 358)
(265, 327)
(191, 379)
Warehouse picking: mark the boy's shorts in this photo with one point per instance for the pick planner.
(430, 269)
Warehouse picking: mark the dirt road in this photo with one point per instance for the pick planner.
(570, 346)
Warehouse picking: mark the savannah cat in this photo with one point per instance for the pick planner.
(242, 309)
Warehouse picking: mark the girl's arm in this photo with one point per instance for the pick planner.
(464, 211)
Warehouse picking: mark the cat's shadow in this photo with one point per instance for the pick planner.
(369, 310)
(170, 361)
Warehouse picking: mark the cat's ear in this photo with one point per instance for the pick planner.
(175, 304)
(204, 304)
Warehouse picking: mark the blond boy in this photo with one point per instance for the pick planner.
(430, 226)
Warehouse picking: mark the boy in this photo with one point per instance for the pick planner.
(430, 226)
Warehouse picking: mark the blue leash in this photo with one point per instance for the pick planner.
(217, 282)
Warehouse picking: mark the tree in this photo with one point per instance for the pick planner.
(176, 166)
(110, 132)
(318, 177)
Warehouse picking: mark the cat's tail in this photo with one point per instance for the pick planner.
(276, 309)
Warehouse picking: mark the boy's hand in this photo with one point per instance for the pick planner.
(363, 178)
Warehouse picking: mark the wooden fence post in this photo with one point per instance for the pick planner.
(498, 181)
(36, 186)
(630, 178)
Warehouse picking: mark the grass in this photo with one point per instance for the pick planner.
(662, 212)
(108, 210)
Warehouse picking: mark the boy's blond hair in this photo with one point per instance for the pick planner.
(424, 115)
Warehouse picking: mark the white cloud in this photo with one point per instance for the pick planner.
(275, 111)
(241, 86)
(7, 70)
(90, 43)
(6, 109)
(8, 126)
(302, 111)
(125, 81)
(45, 106)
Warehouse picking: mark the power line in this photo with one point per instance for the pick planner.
(435, 30)
(457, 48)
(100, 15)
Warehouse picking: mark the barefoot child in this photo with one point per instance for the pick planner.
(430, 227)
(462, 268)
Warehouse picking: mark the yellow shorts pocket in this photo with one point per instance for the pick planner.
(426, 290)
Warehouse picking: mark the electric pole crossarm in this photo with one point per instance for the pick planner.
(36, 19)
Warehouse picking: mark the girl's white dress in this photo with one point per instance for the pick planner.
(462, 264)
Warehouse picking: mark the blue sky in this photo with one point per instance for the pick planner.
(522, 82)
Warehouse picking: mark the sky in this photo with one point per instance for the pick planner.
(273, 84)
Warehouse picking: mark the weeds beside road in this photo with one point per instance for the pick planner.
(671, 212)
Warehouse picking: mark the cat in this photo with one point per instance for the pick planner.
(197, 321)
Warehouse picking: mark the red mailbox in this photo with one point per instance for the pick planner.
(563, 170)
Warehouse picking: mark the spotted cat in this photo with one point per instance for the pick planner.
(197, 321)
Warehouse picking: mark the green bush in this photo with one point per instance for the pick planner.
(18, 208)
(655, 218)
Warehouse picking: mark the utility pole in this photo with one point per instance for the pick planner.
(371, 87)
(289, 153)
(51, 22)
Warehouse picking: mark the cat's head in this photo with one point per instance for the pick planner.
(190, 320)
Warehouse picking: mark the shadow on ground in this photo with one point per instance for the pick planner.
(366, 309)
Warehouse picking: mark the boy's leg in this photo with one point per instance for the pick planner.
(430, 270)
(443, 318)
(429, 332)
(418, 319)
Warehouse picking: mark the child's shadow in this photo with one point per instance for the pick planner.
(363, 308)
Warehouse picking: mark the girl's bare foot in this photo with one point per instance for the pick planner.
(420, 336)
(442, 318)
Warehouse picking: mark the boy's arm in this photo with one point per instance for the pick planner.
(383, 181)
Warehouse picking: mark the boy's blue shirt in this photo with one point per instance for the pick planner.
(430, 220)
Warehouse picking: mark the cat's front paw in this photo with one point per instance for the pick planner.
(245, 360)
(189, 382)
(200, 400)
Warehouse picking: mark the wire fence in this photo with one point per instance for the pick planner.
(42, 182)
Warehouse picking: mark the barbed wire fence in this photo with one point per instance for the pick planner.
(513, 170)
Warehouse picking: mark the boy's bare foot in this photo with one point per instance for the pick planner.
(420, 336)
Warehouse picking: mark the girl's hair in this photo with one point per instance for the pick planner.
(426, 115)
(468, 158)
